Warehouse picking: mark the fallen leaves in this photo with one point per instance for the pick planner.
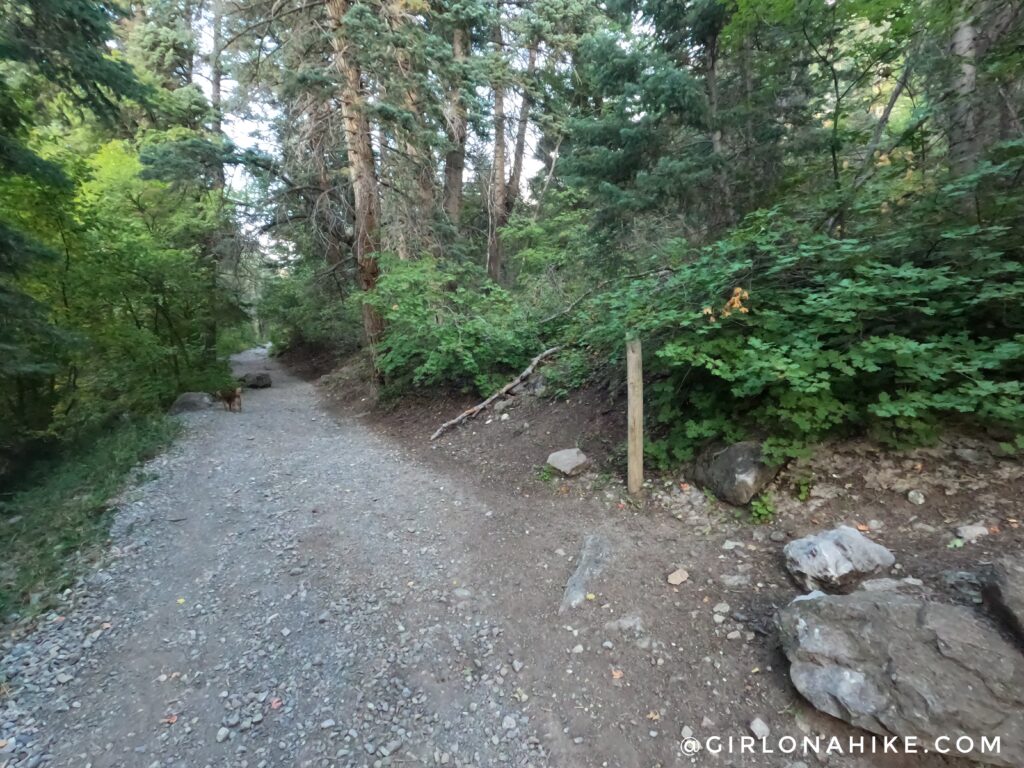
(276, 703)
(169, 720)
(181, 601)
(653, 716)
(617, 674)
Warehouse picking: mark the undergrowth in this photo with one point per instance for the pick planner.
(59, 513)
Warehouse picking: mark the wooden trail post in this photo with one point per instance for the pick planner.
(634, 416)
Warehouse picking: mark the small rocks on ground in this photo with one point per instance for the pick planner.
(569, 461)
(760, 728)
(971, 533)
(677, 577)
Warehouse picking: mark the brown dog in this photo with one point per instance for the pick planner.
(231, 398)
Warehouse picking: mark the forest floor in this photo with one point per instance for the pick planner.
(311, 582)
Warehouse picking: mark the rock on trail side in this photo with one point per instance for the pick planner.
(287, 589)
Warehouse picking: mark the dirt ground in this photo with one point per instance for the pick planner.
(312, 582)
(684, 670)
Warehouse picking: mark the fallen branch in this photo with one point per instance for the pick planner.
(469, 414)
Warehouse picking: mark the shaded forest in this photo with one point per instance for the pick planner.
(810, 211)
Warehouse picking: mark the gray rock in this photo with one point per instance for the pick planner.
(835, 560)
(503, 405)
(908, 585)
(191, 401)
(971, 533)
(897, 665)
(260, 380)
(1005, 590)
(735, 474)
(969, 455)
(759, 728)
(966, 584)
(734, 580)
(593, 558)
(222, 735)
(569, 461)
(915, 497)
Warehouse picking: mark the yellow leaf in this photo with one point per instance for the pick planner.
(591, 596)
(181, 601)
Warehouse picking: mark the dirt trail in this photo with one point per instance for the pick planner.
(291, 590)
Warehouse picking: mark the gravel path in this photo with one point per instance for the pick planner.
(281, 593)
(288, 588)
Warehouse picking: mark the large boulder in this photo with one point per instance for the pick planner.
(569, 461)
(735, 474)
(897, 665)
(1005, 590)
(836, 560)
(259, 380)
(191, 401)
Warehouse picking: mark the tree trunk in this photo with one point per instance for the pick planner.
(415, 229)
(515, 180)
(216, 70)
(725, 213)
(455, 157)
(361, 163)
(212, 257)
(498, 216)
(963, 143)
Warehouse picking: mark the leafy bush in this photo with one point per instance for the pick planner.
(236, 338)
(780, 330)
(305, 308)
(61, 508)
(762, 509)
(446, 325)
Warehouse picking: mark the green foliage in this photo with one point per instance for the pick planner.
(448, 326)
(570, 371)
(762, 509)
(783, 331)
(236, 338)
(61, 509)
(304, 307)
(804, 483)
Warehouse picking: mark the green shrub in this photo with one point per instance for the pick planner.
(447, 325)
(304, 307)
(236, 338)
(762, 508)
(61, 508)
(780, 330)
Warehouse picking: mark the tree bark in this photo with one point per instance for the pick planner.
(455, 157)
(361, 163)
(415, 228)
(520, 147)
(963, 143)
(498, 215)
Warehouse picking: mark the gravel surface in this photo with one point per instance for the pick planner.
(281, 593)
(292, 588)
